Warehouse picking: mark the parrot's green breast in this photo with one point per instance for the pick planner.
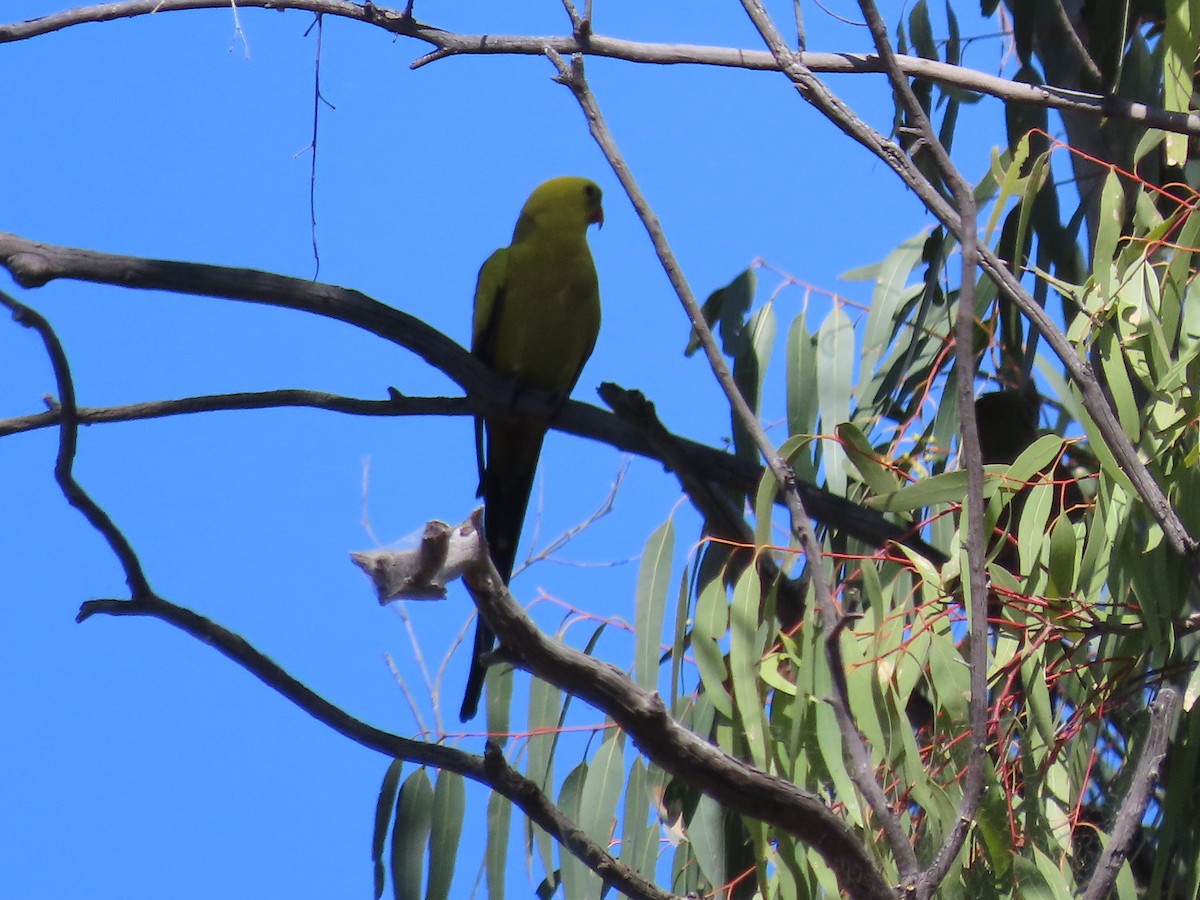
(551, 314)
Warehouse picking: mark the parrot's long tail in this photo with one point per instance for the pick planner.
(513, 448)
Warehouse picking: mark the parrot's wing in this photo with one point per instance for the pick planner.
(489, 302)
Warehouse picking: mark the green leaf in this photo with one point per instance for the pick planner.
(498, 689)
(1058, 884)
(948, 676)
(1031, 531)
(654, 573)
(706, 833)
(889, 297)
(499, 818)
(948, 487)
(712, 621)
(1108, 233)
(953, 41)
(414, 816)
(1177, 277)
(725, 311)
(860, 691)
(991, 819)
(745, 651)
(1009, 181)
(601, 791)
(545, 707)
(1037, 696)
(801, 363)
(639, 841)
(829, 740)
(449, 804)
(1064, 557)
(577, 880)
(749, 370)
(1181, 36)
(1033, 184)
(1192, 693)
(1033, 459)
(794, 882)
(835, 373)
(383, 817)
(1120, 388)
(679, 641)
(921, 31)
(877, 474)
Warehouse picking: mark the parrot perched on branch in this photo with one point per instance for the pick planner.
(536, 318)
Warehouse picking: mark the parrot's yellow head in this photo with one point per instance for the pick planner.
(565, 203)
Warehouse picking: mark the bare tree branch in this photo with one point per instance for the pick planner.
(448, 44)
(33, 264)
(398, 405)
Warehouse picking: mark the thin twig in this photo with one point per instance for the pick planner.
(402, 610)
(318, 99)
(405, 692)
(1067, 30)
(565, 537)
(291, 397)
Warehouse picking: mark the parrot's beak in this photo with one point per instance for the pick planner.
(598, 216)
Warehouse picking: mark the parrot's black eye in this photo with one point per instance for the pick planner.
(591, 192)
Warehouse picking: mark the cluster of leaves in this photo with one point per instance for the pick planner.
(1085, 594)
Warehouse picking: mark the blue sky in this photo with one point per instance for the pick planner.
(140, 763)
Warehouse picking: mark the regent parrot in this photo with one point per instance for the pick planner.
(536, 318)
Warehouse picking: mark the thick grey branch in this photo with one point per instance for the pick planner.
(1137, 798)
